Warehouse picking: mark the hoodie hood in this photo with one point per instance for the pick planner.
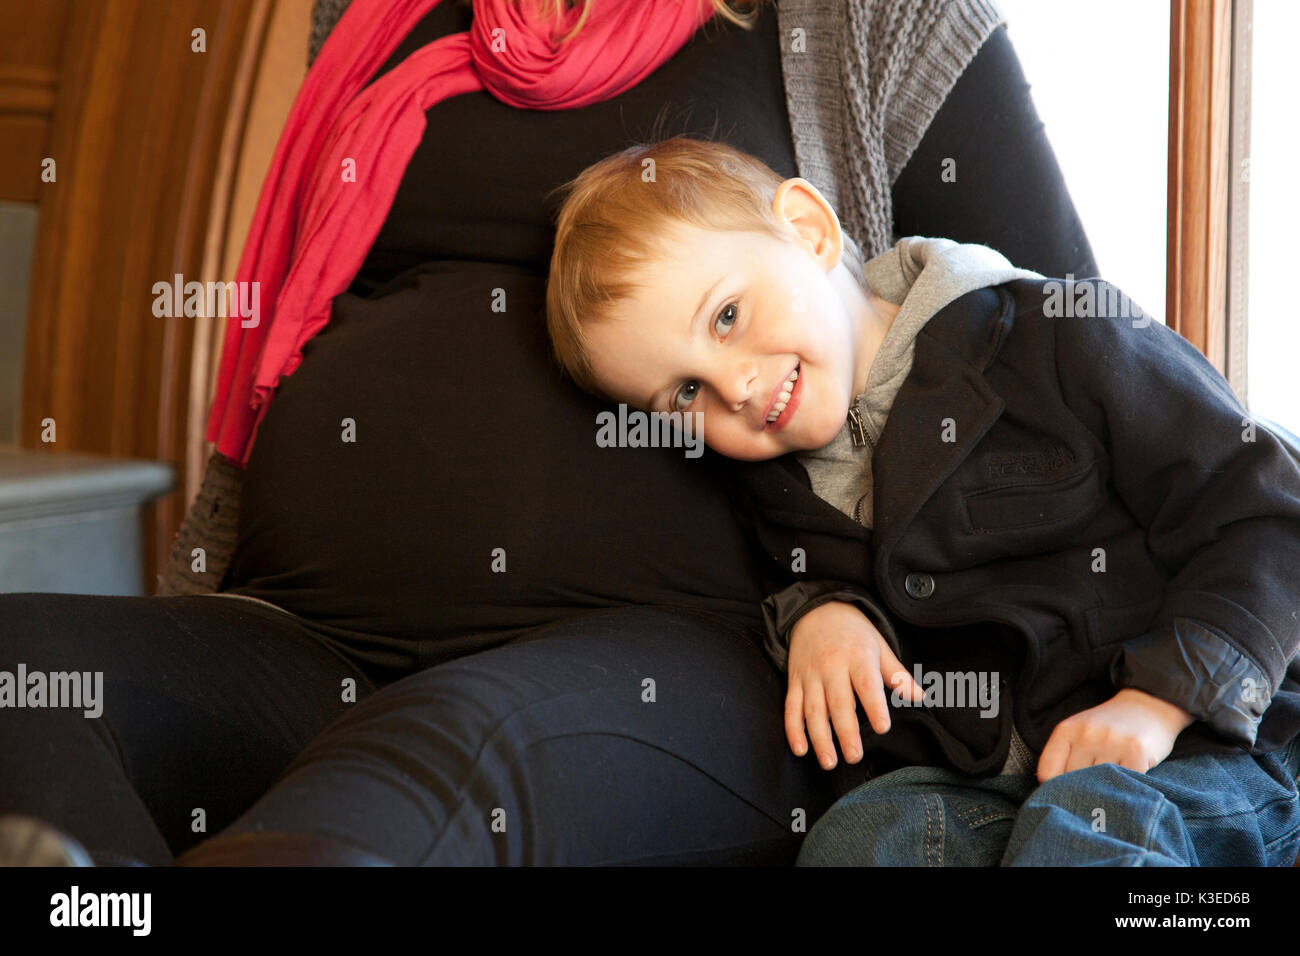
(921, 276)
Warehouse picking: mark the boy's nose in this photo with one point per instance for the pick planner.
(739, 385)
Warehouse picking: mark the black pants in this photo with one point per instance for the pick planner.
(628, 735)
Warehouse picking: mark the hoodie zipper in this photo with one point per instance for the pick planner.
(857, 430)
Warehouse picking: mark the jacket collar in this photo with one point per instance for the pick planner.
(952, 353)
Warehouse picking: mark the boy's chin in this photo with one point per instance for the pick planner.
(790, 444)
(752, 454)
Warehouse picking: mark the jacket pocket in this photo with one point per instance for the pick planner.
(1113, 625)
(1063, 502)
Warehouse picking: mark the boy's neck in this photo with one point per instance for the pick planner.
(872, 319)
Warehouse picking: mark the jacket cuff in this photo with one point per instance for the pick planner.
(782, 610)
(1189, 665)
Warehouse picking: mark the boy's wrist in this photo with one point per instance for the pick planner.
(1171, 715)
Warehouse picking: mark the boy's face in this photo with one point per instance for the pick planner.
(724, 319)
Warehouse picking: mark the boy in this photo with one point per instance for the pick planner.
(1070, 560)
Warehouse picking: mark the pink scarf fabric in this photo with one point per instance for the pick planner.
(312, 230)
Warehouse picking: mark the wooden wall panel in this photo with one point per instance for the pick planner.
(31, 49)
(138, 137)
(267, 85)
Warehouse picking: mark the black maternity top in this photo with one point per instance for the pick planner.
(472, 502)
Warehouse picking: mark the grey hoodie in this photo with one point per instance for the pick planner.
(921, 276)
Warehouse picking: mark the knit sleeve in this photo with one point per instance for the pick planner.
(324, 14)
(899, 59)
(919, 61)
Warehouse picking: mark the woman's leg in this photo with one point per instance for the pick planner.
(1009, 193)
(631, 735)
(204, 700)
(1201, 810)
(919, 816)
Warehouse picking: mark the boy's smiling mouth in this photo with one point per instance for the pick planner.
(784, 402)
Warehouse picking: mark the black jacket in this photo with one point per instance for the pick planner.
(1077, 504)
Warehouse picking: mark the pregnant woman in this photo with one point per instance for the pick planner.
(454, 628)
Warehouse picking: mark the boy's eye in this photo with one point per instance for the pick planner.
(691, 390)
(716, 323)
(685, 395)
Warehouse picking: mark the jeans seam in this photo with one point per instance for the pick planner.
(1151, 828)
(989, 817)
(1289, 835)
(1252, 810)
(933, 848)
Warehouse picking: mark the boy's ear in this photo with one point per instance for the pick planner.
(801, 207)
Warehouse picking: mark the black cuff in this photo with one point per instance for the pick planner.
(1189, 665)
(782, 610)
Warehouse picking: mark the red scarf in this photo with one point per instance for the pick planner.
(312, 229)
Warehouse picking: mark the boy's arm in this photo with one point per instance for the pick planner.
(790, 597)
(783, 609)
(1220, 499)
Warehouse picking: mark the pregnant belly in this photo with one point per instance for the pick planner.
(427, 474)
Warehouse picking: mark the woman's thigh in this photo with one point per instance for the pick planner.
(628, 735)
(201, 701)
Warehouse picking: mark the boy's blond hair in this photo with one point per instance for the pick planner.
(615, 218)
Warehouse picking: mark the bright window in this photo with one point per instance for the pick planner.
(1099, 77)
(1273, 316)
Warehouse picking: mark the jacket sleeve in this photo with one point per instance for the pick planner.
(790, 597)
(1219, 497)
(783, 609)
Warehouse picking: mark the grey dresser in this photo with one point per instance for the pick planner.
(72, 522)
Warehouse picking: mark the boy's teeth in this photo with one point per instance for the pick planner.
(784, 397)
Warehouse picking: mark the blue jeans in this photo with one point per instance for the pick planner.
(1201, 810)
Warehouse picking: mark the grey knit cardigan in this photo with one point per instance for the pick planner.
(863, 79)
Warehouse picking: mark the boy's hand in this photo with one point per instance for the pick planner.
(1133, 729)
(834, 651)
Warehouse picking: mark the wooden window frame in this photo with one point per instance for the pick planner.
(1209, 136)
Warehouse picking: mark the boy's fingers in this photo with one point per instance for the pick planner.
(1051, 762)
(866, 681)
(896, 675)
(844, 714)
(819, 730)
(874, 699)
(794, 719)
(878, 710)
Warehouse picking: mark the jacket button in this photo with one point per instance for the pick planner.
(919, 585)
